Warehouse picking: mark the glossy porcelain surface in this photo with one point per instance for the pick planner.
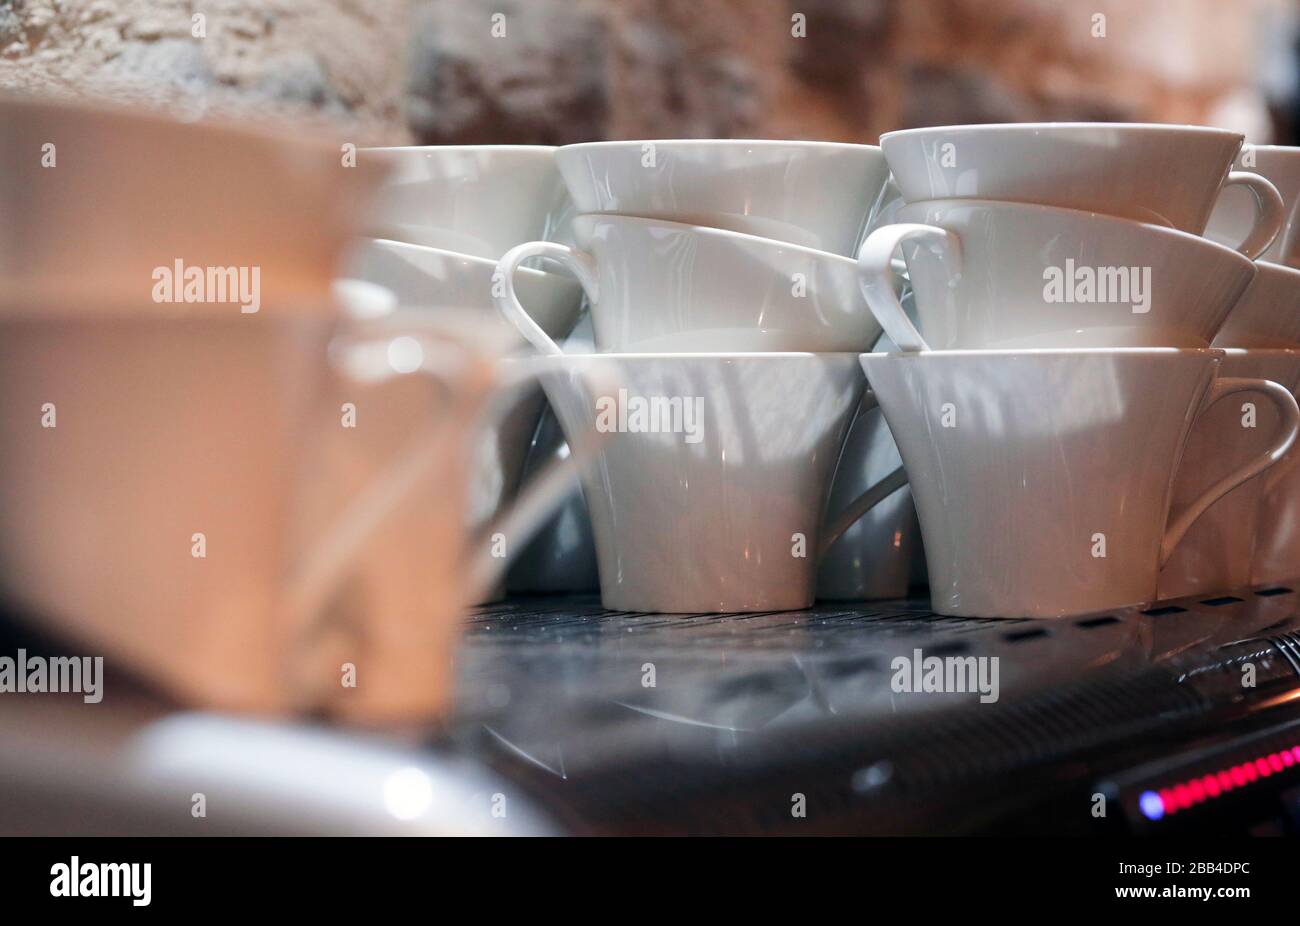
(657, 286)
(814, 194)
(431, 278)
(1032, 500)
(1098, 167)
(477, 200)
(1007, 275)
(725, 516)
(1267, 316)
(1230, 222)
(1217, 551)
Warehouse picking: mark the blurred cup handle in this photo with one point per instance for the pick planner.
(458, 368)
(549, 488)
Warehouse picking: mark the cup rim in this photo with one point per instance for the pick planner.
(1103, 217)
(701, 355)
(135, 117)
(721, 143)
(1273, 267)
(1030, 127)
(1293, 352)
(1278, 148)
(485, 262)
(715, 232)
(457, 149)
(1207, 352)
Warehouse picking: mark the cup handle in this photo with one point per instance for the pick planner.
(547, 489)
(876, 276)
(1270, 211)
(1281, 397)
(579, 263)
(319, 570)
(867, 500)
(1279, 472)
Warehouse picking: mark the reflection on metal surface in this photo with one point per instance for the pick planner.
(708, 723)
(572, 718)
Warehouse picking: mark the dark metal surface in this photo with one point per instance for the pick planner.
(718, 723)
(582, 720)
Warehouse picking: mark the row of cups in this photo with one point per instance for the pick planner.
(239, 481)
(1094, 333)
(1053, 309)
(743, 305)
(235, 500)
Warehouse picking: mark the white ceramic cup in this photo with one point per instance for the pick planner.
(479, 200)
(1095, 167)
(990, 275)
(97, 199)
(234, 506)
(1267, 316)
(814, 194)
(1216, 553)
(1032, 500)
(716, 502)
(1233, 216)
(656, 286)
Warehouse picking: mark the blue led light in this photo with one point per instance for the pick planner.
(1152, 806)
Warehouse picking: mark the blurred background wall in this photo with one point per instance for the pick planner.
(558, 71)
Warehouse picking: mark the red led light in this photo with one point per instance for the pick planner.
(1194, 791)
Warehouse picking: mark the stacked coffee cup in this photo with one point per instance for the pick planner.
(723, 293)
(1058, 406)
(1254, 533)
(438, 226)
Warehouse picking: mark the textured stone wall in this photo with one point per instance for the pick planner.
(556, 71)
(336, 62)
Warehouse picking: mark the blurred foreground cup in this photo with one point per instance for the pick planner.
(220, 473)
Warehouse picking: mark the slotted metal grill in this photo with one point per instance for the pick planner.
(705, 722)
